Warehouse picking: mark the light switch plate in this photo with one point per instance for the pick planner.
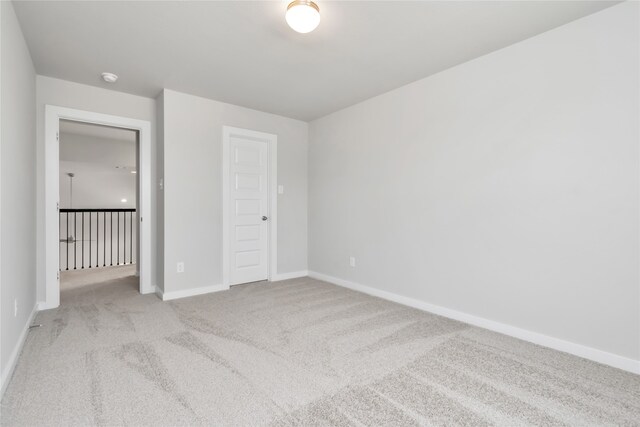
(280, 189)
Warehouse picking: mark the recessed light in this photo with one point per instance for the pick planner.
(134, 171)
(303, 15)
(124, 200)
(109, 77)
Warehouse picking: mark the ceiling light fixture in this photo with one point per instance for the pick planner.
(134, 171)
(109, 77)
(303, 15)
(124, 200)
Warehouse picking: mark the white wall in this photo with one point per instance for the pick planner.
(506, 187)
(18, 184)
(82, 97)
(96, 186)
(97, 182)
(192, 139)
(98, 150)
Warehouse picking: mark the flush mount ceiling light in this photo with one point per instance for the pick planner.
(303, 15)
(123, 200)
(109, 77)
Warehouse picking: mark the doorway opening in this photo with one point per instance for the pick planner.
(63, 216)
(98, 216)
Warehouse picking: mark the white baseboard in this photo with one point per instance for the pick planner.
(13, 358)
(579, 350)
(287, 276)
(167, 296)
(43, 305)
(151, 290)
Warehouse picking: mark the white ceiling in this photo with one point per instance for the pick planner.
(97, 131)
(245, 54)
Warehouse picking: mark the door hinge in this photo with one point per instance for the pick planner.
(58, 275)
(57, 136)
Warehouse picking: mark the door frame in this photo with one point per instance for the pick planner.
(53, 115)
(272, 184)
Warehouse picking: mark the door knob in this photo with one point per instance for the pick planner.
(264, 218)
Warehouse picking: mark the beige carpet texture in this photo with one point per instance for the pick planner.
(297, 352)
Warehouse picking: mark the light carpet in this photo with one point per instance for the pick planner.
(71, 279)
(297, 352)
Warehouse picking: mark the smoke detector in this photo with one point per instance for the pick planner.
(109, 77)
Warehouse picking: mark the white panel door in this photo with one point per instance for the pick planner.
(249, 210)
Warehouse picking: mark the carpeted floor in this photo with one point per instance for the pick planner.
(298, 352)
(73, 279)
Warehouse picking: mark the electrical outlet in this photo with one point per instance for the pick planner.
(352, 261)
(180, 267)
(15, 307)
